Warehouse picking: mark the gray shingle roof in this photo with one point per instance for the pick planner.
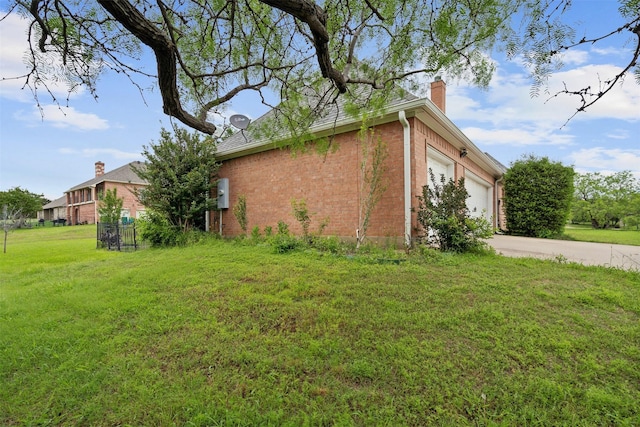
(330, 113)
(123, 174)
(57, 203)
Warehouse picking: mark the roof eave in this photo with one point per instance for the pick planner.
(320, 131)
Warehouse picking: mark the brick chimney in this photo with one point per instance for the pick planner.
(439, 93)
(99, 169)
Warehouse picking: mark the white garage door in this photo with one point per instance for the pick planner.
(480, 191)
(439, 165)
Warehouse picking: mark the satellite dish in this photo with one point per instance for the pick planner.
(240, 121)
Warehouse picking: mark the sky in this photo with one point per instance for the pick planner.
(49, 148)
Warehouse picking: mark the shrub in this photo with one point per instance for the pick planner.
(255, 233)
(301, 214)
(445, 220)
(240, 212)
(537, 196)
(157, 230)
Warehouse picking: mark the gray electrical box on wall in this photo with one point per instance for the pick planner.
(223, 193)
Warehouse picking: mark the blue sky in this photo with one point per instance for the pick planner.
(50, 152)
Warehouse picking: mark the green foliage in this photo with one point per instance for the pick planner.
(181, 170)
(537, 196)
(255, 233)
(283, 228)
(302, 215)
(156, 229)
(26, 202)
(372, 171)
(606, 200)
(361, 47)
(110, 206)
(445, 220)
(240, 212)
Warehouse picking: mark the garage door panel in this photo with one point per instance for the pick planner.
(480, 200)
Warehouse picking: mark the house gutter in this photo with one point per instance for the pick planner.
(407, 177)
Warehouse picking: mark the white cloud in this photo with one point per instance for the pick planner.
(63, 117)
(13, 68)
(621, 134)
(575, 57)
(515, 137)
(97, 152)
(606, 159)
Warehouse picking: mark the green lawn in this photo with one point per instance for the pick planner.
(589, 234)
(224, 333)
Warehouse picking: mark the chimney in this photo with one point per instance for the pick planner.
(99, 169)
(439, 93)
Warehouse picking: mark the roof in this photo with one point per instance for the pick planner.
(330, 116)
(123, 174)
(336, 120)
(57, 203)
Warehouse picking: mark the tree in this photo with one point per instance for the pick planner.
(11, 218)
(605, 200)
(18, 199)
(110, 206)
(445, 219)
(180, 170)
(537, 196)
(207, 53)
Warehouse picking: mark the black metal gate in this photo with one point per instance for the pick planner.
(117, 237)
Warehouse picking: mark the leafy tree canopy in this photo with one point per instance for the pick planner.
(180, 169)
(110, 206)
(605, 200)
(207, 52)
(18, 199)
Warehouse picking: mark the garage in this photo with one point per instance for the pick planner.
(439, 165)
(480, 201)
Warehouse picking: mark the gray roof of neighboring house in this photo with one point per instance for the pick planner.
(57, 203)
(123, 174)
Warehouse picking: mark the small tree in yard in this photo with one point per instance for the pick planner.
(537, 196)
(373, 185)
(11, 218)
(110, 206)
(445, 219)
(180, 170)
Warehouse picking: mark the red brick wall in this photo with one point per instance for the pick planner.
(330, 184)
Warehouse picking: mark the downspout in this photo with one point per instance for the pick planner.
(497, 202)
(407, 178)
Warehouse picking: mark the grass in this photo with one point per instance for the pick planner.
(225, 333)
(585, 233)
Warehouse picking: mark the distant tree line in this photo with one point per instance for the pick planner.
(18, 199)
(607, 201)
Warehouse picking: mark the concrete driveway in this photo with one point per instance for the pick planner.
(620, 256)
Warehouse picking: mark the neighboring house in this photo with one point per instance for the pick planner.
(81, 200)
(54, 210)
(419, 136)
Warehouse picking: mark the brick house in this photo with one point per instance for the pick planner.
(81, 200)
(419, 136)
(56, 209)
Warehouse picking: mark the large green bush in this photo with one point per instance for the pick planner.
(537, 196)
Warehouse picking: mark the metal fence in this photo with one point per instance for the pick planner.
(117, 237)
